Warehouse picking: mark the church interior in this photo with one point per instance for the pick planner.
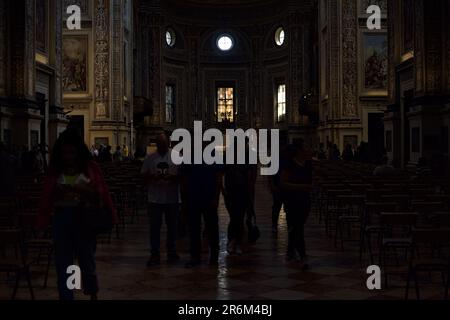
(368, 106)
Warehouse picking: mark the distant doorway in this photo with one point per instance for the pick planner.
(376, 136)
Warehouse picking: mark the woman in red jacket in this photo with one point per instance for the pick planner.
(73, 182)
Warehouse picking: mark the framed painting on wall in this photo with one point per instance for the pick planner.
(75, 64)
(374, 64)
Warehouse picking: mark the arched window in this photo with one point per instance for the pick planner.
(280, 36)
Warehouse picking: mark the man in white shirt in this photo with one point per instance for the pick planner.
(161, 177)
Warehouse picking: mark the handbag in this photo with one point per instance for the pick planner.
(254, 234)
(96, 220)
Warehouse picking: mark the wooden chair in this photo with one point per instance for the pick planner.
(403, 200)
(332, 209)
(371, 225)
(374, 195)
(396, 236)
(8, 211)
(426, 256)
(13, 259)
(442, 219)
(350, 216)
(426, 209)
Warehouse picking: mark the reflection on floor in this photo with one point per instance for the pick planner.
(260, 273)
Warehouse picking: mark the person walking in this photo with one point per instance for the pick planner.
(237, 190)
(201, 189)
(296, 183)
(73, 182)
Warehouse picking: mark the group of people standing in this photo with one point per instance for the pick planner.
(104, 153)
(350, 153)
(74, 189)
(195, 189)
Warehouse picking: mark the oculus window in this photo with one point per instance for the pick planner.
(170, 37)
(279, 37)
(225, 42)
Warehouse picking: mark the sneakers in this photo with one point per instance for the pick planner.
(291, 256)
(231, 247)
(304, 266)
(155, 260)
(234, 248)
(173, 258)
(304, 263)
(214, 258)
(274, 230)
(193, 263)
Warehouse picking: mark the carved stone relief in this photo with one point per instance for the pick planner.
(349, 58)
(101, 59)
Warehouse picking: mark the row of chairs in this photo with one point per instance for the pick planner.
(391, 219)
(21, 249)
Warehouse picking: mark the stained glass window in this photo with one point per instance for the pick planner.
(225, 104)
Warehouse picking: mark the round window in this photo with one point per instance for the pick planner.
(279, 37)
(225, 43)
(170, 37)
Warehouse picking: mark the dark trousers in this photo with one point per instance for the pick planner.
(195, 212)
(250, 212)
(70, 241)
(170, 213)
(296, 216)
(276, 207)
(237, 205)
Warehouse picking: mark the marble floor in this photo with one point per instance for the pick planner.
(260, 273)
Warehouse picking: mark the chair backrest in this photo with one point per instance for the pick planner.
(399, 218)
(378, 207)
(339, 192)
(10, 243)
(374, 195)
(444, 198)
(420, 192)
(434, 236)
(403, 200)
(10, 236)
(8, 213)
(442, 219)
(351, 200)
(426, 207)
(432, 243)
(372, 210)
(400, 187)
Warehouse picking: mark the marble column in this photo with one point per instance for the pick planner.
(22, 46)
